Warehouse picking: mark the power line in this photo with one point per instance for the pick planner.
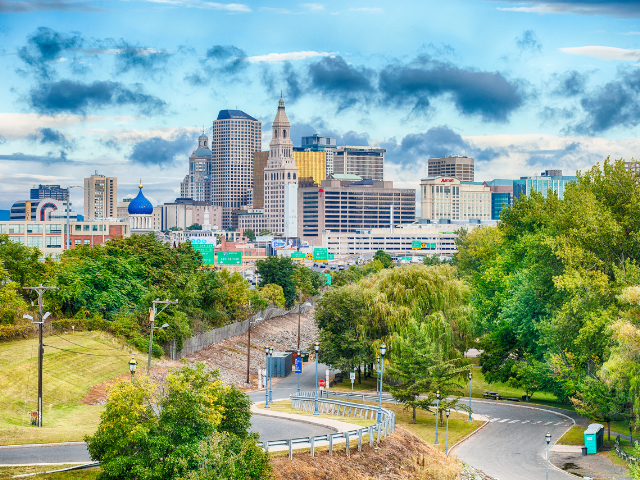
(83, 353)
(82, 346)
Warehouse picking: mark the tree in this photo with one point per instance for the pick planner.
(20, 262)
(195, 226)
(279, 271)
(385, 258)
(265, 233)
(433, 260)
(273, 294)
(250, 234)
(531, 376)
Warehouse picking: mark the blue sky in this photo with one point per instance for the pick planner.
(125, 87)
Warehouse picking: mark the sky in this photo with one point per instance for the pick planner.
(124, 87)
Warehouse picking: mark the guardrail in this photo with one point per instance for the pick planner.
(357, 396)
(305, 401)
(624, 455)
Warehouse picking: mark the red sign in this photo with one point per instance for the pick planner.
(321, 383)
(443, 180)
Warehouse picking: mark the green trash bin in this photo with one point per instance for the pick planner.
(305, 356)
(593, 438)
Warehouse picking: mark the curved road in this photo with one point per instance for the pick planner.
(512, 446)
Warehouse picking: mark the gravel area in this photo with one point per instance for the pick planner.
(597, 467)
(230, 356)
(470, 473)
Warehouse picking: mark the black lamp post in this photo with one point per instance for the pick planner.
(132, 367)
(437, 413)
(266, 384)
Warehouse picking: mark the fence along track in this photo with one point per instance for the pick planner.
(305, 401)
(204, 340)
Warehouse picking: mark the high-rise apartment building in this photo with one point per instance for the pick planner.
(259, 164)
(456, 166)
(197, 184)
(49, 191)
(281, 170)
(236, 137)
(318, 143)
(100, 197)
(366, 162)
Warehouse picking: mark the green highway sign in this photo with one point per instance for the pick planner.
(298, 255)
(416, 244)
(320, 255)
(331, 256)
(207, 251)
(229, 258)
(419, 245)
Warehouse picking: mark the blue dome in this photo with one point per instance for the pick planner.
(140, 205)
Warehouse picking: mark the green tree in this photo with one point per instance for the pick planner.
(20, 262)
(384, 258)
(273, 294)
(195, 226)
(265, 233)
(279, 271)
(250, 234)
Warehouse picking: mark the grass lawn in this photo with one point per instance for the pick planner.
(88, 474)
(67, 378)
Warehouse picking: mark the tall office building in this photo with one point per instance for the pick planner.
(366, 162)
(49, 191)
(541, 184)
(448, 198)
(197, 184)
(259, 164)
(318, 143)
(236, 136)
(100, 197)
(456, 166)
(281, 170)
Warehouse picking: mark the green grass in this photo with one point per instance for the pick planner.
(67, 378)
(88, 474)
(345, 386)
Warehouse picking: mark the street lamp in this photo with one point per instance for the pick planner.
(548, 436)
(383, 350)
(470, 377)
(132, 367)
(316, 347)
(298, 356)
(447, 411)
(271, 374)
(266, 386)
(437, 413)
(377, 375)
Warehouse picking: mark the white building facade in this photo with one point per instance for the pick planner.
(449, 198)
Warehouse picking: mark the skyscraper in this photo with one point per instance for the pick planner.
(456, 166)
(236, 136)
(49, 191)
(317, 143)
(100, 197)
(366, 162)
(197, 184)
(281, 170)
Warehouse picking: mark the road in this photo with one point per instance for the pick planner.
(513, 446)
(268, 428)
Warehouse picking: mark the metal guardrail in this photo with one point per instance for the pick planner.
(624, 455)
(357, 396)
(305, 401)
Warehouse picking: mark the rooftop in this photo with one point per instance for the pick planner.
(234, 114)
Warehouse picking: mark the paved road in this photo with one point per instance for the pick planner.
(513, 446)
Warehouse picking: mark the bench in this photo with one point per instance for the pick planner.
(492, 395)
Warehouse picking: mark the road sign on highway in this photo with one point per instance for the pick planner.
(320, 255)
(298, 366)
(352, 375)
(309, 256)
(298, 255)
(321, 383)
(207, 251)
(416, 244)
(328, 275)
(229, 258)
(331, 256)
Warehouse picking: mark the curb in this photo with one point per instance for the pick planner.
(35, 445)
(468, 436)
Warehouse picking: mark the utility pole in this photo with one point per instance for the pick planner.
(40, 289)
(153, 311)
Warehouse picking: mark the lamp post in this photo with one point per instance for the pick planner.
(266, 386)
(132, 367)
(470, 377)
(316, 347)
(377, 375)
(548, 436)
(383, 350)
(300, 357)
(271, 374)
(437, 413)
(447, 411)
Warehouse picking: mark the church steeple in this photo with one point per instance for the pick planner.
(281, 146)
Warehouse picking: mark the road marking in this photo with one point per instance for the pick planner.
(505, 420)
(495, 419)
(559, 423)
(548, 423)
(514, 421)
(526, 421)
(535, 423)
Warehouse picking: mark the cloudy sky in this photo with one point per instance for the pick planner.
(125, 87)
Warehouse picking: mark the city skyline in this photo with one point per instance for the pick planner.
(87, 86)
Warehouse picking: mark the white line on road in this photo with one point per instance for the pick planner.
(548, 423)
(526, 421)
(514, 421)
(559, 423)
(495, 419)
(505, 420)
(535, 423)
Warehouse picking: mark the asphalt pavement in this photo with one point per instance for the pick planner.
(512, 446)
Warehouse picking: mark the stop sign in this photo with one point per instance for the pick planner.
(321, 383)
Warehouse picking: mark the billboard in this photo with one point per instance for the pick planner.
(320, 255)
(229, 258)
(288, 243)
(203, 241)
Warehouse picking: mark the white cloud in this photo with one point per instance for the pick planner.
(541, 9)
(282, 57)
(604, 53)
(367, 9)
(116, 51)
(314, 7)
(16, 126)
(229, 7)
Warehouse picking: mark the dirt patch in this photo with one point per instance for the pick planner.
(400, 456)
(229, 357)
(597, 467)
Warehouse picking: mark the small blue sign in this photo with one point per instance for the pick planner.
(298, 366)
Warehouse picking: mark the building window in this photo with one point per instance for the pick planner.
(85, 228)
(16, 228)
(87, 242)
(54, 228)
(19, 240)
(78, 228)
(54, 242)
(34, 228)
(3, 229)
(34, 242)
(77, 242)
